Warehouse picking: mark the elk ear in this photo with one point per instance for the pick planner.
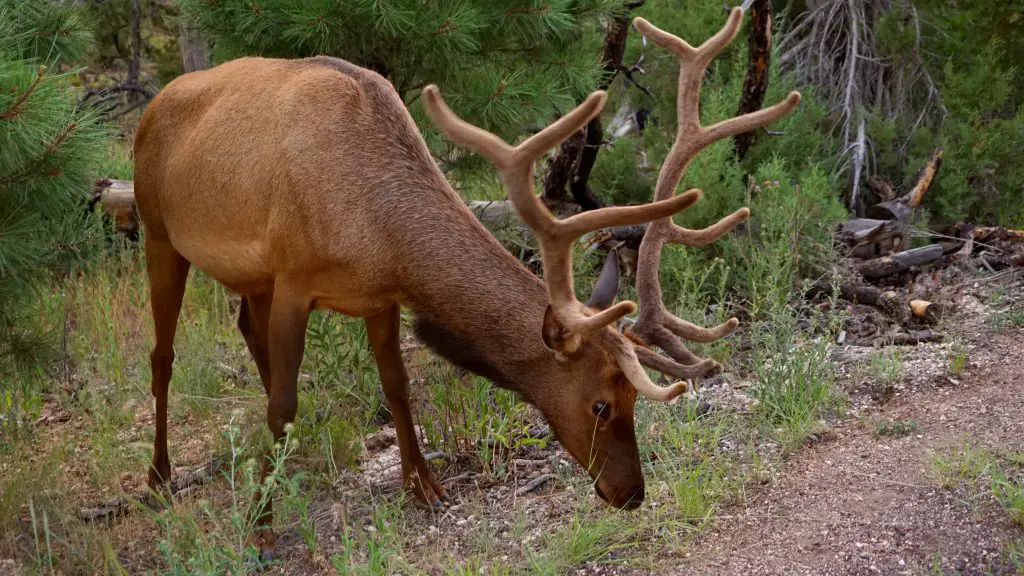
(556, 337)
(607, 286)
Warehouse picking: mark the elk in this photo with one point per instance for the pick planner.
(305, 184)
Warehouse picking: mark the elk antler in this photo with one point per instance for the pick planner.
(656, 325)
(555, 236)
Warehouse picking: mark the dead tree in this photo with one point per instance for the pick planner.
(755, 83)
(832, 46)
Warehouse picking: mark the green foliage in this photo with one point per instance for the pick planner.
(48, 149)
(789, 237)
(204, 540)
(500, 64)
(158, 27)
(970, 51)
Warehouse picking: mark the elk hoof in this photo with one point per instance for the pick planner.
(267, 556)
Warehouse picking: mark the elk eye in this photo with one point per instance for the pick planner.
(602, 411)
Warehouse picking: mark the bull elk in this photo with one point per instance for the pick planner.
(304, 184)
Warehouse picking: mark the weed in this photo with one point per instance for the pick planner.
(958, 355)
(896, 428)
(885, 365)
(1008, 486)
(985, 472)
(1009, 317)
(794, 379)
(967, 466)
(584, 539)
(203, 539)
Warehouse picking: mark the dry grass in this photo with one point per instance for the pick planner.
(90, 441)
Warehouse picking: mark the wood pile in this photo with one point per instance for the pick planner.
(894, 288)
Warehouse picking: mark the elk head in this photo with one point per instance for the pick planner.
(588, 397)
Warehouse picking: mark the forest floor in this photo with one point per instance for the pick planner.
(918, 470)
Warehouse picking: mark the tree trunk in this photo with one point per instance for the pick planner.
(575, 158)
(135, 64)
(755, 83)
(195, 55)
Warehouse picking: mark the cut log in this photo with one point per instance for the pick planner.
(117, 198)
(901, 262)
(927, 311)
(494, 212)
(902, 207)
(870, 238)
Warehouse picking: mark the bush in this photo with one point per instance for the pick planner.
(50, 148)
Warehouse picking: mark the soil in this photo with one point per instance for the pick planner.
(862, 504)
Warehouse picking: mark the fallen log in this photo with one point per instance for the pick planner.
(857, 293)
(989, 233)
(900, 262)
(909, 338)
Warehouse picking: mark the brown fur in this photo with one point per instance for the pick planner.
(305, 184)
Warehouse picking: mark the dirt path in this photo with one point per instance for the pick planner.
(861, 504)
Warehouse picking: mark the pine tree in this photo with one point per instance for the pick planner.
(48, 149)
(505, 65)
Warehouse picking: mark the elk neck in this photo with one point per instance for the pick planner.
(473, 302)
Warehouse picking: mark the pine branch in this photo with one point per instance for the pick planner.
(15, 108)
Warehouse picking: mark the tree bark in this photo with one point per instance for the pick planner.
(575, 158)
(135, 64)
(901, 262)
(195, 55)
(755, 83)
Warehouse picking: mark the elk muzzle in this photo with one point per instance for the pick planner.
(625, 498)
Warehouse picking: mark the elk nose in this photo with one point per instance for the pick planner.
(635, 499)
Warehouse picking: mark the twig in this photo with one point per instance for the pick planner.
(533, 484)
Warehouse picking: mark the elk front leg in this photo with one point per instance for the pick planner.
(383, 330)
(289, 317)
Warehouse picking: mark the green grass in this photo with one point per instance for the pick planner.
(896, 428)
(885, 365)
(997, 475)
(959, 353)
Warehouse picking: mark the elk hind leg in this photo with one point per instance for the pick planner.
(254, 324)
(167, 271)
(286, 329)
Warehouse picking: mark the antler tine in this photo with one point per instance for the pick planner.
(555, 237)
(656, 326)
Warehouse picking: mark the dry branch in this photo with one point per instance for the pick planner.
(901, 207)
(534, 484)
(900, 262)
(908, 338)
(116, 507)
